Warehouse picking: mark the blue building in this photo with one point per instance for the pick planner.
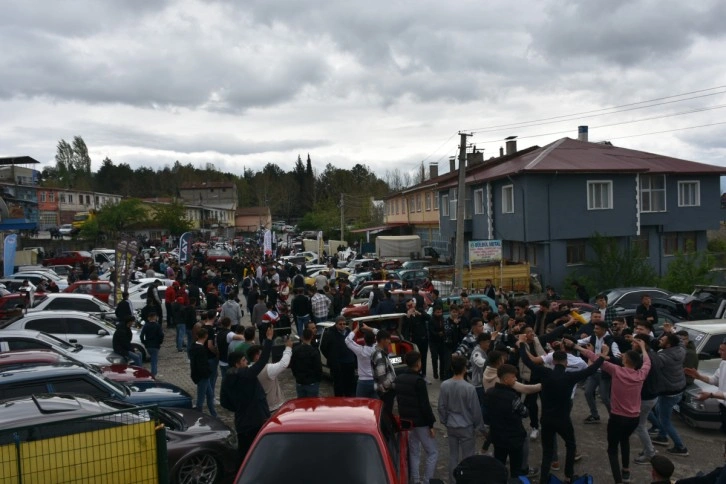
(544, 203)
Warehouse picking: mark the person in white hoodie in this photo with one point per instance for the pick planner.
(268, 376)
(365, 387)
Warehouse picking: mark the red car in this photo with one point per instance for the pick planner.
(99, 289)
(70, 258)
(330, 439)
(13, 304)
(119, 373)
(218, 257)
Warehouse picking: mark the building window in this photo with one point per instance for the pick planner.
(641, 244)
(670, 244)
(453, 204)
(96, 200)
(436, 202)
(652, 193)
(70, 198)
(689, 193)
(411, 206)
(62, 198)
(508, 199)
(396, 203)
(428, 202)
(599, 195)
(689, 242)
(51, 196)
(479, 201)
(445, 205)
(42, 196)
(418, 203)
(88, 199)
(575, 252)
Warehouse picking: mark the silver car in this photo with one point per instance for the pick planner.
(37, 340)
(75, 327)
(696, 413)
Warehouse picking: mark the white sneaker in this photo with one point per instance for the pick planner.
(534, 434)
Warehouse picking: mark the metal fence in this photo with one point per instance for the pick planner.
(119, 447)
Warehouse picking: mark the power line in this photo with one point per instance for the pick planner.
(592, 113)
(669, 130)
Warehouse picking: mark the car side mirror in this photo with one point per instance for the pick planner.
(102, 332)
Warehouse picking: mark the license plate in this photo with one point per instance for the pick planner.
(395, 360)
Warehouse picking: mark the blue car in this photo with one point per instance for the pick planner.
(24, 381)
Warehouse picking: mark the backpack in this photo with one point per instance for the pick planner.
(222, 345)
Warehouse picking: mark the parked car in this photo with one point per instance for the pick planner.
(65, 229)
(200, 448)
(68, 378)
(36, 277)
(120, 373)
(218, 257)
(35, 340)
(73, 327)
(446, 302)
(390, 322)
(706, 302)
(701, 414)
(61, 270)
(363, 291)
(70, 258)
(101, 290)
(74, 302)
(398, 295)
(706, 336)
(631, 296)
(13, 304)
(413, 277)
(359, 441)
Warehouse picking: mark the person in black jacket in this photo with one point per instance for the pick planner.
(124, 308)
(415, 328)
(556, 395)
(242, 392)
(506, 411)
(436, 342)
(152, 336)
(414, 405)
(201, 372)
(122, 341)
(306, 366)
(339, 358)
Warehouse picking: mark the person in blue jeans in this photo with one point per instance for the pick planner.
(669, 364)
(152, 336)
(201, 372)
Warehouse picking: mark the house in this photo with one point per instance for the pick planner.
(250, 219)
(217, 202)
(545, 203)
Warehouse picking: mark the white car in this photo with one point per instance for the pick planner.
(85, 303)
(37, 340)
(36, 277)
(75, 327)
(65, 229)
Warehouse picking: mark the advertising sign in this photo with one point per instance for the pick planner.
(485, 251)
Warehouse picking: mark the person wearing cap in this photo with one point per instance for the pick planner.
(661, 469)
(152, 336)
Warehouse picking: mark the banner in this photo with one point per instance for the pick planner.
(485, 251)
(132, 249)
(267, 244)
(185, 242)
(118, 269)
(11, 244)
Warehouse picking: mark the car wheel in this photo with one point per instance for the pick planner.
(141, 351)
(198, 469)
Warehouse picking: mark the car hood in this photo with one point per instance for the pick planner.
(159, 393)
(126, 373)
(197, 422)
(94, 355)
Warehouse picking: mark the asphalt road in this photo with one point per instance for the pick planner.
(705, 447)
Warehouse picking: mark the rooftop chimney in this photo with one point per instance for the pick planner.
(511, 145)
(433, 169)
(582, 133)
(501, 151)
(452, 164)
(423, 172)
(474, 158)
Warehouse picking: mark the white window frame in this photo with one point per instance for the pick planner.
(418, 202)
(445, 205)
(479, 201)
(600, 185)
(696, 184)
(428, 202)
(453, 208)
(650, 191)
(508, 199)
(436, 201)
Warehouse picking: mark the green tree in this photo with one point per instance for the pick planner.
(64, 163)
(172, 217)
(615, 265)
(81, 158)
(125, 215)
(687, 269)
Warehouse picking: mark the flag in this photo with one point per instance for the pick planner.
(184, 245)
(268, 243)
(119, 266)
(11, 245)
(132, 249)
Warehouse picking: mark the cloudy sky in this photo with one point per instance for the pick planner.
(384, 83)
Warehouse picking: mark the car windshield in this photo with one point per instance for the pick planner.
(52, 340)
(350, 458)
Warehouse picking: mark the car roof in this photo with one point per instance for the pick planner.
(41, 372)
(72, 295)
(23, 357)
(326, 414)
(376, 317)
(54, 313)
(44, 407)
(709, 326)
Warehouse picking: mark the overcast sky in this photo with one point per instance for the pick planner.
(384, 83)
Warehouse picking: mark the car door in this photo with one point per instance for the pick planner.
(54, 326)
(85, 332)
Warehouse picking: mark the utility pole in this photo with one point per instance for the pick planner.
(342, 218)
(460, 211)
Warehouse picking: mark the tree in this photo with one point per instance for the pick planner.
(81, 158)
(172, 217)
(688, 269)
(64, 162)
(618, 266)
(127, 214)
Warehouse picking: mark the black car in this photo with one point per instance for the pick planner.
(627, 297)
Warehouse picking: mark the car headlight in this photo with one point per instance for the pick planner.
(116, 359)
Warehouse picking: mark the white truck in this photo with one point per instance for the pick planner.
(403, 247)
